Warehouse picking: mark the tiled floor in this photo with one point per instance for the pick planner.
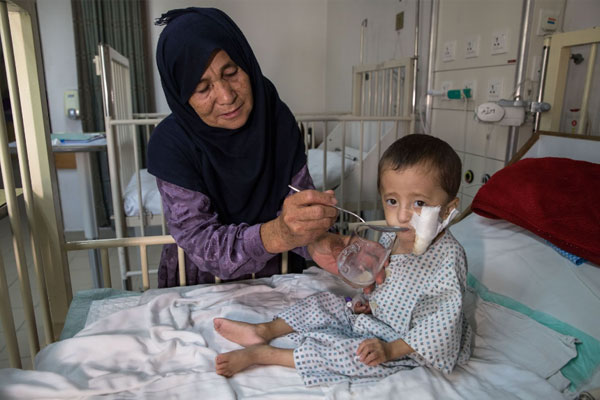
(79, 268)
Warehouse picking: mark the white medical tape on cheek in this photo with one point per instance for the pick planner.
(427, 226)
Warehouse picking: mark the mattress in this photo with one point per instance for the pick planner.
(516, 263)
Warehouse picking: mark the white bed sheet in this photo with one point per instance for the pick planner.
(525, 268)
(165, 348)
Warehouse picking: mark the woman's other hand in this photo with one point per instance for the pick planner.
(305, 216)
(326, 248)
(379, 278)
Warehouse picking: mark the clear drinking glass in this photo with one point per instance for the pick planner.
(363, 258)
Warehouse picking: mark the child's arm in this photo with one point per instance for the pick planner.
(373, 352)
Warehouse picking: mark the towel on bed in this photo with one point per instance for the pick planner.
(555, 198)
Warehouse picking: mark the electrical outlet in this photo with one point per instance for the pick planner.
(446, 85)
(472, 47)
(494, 89)
(470, 84)
(499, 42)
(449, 51)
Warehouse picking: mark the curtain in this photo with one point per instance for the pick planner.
(122, 25)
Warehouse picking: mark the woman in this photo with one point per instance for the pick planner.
(225, 156)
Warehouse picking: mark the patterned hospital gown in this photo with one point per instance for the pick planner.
(420, 302)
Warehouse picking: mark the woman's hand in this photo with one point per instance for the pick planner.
(325, 249)
(305, 216)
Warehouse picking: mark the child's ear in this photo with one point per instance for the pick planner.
(450, 206)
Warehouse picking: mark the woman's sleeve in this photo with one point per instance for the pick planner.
(437, 321)
(227, 251)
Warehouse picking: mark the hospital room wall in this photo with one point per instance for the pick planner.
(382, 41)
(287, 37)
(483, 146)
(310, 58)
(58, 50)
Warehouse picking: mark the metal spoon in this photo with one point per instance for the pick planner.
(380, 228)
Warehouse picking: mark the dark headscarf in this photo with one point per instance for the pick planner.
(245, 171)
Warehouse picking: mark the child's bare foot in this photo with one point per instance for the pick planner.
(242, 333)
(229, 364)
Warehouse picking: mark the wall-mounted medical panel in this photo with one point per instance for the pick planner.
(477, 45)
(480, 80)
(483, 33)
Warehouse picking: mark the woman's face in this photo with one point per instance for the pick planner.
(223, 98)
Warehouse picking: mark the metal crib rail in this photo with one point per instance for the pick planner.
(141, 242)
(316, 133)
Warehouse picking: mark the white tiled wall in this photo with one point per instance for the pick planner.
(482, 146)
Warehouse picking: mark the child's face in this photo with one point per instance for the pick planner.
(406, 190)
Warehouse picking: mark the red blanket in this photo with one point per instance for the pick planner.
(556, 198)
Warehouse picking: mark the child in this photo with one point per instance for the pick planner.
(413, 319)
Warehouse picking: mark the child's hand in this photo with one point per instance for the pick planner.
(373, 352)
(379, 278)
(362, 308)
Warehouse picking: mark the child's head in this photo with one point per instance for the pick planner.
(415, 171)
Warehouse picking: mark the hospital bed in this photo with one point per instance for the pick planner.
(161, 344)
(534, 311)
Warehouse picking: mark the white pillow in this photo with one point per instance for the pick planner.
(150, 195)
(334, 166)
